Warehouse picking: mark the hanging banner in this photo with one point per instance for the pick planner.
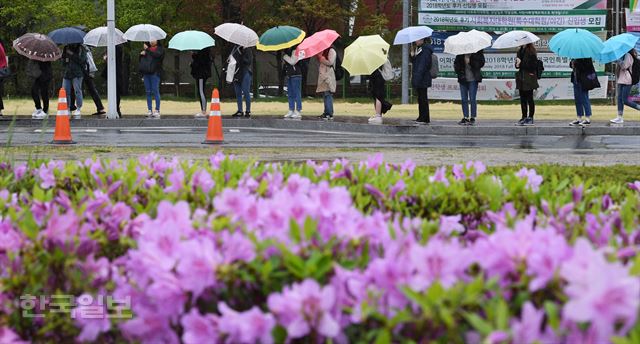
(503, 65)
(438, 38)
(427, 5)
(505, 89)
(534, 21)
(633, 20)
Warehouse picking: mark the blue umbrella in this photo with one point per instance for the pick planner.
(411, 34)
(67, 35)
(576, 44)
(616, 46)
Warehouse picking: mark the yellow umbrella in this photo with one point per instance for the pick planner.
(365, 55)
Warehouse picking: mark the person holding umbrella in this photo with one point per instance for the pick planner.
(421, 80)
(327, 80)
(201, 71)
(4, 64)
(468, 68)
(293, 72)
(584, 79)
(89, 73)
(150, 66)
(624, 80)
(41, 73)
(74, 60)
(243, 79)
(527, 81)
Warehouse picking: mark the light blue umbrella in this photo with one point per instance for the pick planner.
(576, 44)
(191, 40)
(616, 46)
(411, 34)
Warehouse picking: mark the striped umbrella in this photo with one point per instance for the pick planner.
(280, 37)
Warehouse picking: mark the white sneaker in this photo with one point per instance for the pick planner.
(296, 115)
(155, 115)
(375, 120)
(201, 115)
(35, 113)
(617, 120)
(77, 114)
(149, 114)
(289, 114)
(40, 115)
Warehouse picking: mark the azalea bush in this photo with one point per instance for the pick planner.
(160, 250)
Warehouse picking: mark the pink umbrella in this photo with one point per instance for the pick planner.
(316, 43)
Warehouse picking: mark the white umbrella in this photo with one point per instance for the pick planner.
(411, 34)
(144, 33)
(467, 42)
(237, 34)
(515, 39)
(98, 37)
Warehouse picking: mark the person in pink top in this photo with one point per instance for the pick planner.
(4, 62)
(625, 68)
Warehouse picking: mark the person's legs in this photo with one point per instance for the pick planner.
(578, 99)
(523, 103)
(35, 94)
(203, 99)
(155, 82)
(626, 100)
(328, 103)
(91, 86)
(44, 94)
(586, 103)
(620, 100)
(147, 89)
(290, 94)
(237, 86)
(77, 88)
(464, 97)
(421, 102)
(532, 105)
(473, 92)
(1, 93)
(66, 84)
(297, 87)
(246, 90)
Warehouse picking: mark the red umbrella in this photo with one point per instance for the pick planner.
(316, 43)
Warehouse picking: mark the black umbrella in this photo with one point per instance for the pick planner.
(36, 46)
(67, 35)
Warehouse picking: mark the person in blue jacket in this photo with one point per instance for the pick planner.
(421, 80)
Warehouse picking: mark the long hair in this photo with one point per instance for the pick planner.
(530, 49)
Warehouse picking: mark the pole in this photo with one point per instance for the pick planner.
(616, 31)
(405, 55)
(111, 60)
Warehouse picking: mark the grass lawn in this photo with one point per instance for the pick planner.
(358, 107)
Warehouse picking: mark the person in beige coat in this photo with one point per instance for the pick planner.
(327, 80)
(625, 66)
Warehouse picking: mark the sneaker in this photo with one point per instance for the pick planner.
(375, 119)
(40, 115)
(149, 114)
(464, 121)
(238, 114)
(421, 122)
(99, 113)
(585, 122)
(617, 120)
(528, 121)
(155, 115)
(521, 121)
(296, 115)
(247, 114)
(200, 115)
(326, 117)
(288, 115)
(472, 121)
(1, 113)
(77, 114)
(576, 122)
(35, 113)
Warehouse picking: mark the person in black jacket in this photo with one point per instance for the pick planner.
(421, 77)
(201, 71)
(527, 81)
(40, 89)
(243, 78)
(151, 68)
(468, 69)
(580, 70)
(292, 66)
(377, 85)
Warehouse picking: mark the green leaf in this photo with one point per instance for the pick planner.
(29, 226)
(383, 337)
(478, 323)
(310, 228)
(502, 315)
(294, 231)
(551, 308)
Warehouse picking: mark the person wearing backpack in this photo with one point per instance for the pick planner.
(527, 81)
(293, 73)
(41, 74)
(584, 79)
(421, 78)
(468, 68)
(150, 66)
(377, 86)
(89, 73)
(74, 59)
(242, 79)
(625, 79)
(201, 71)
(327, 80)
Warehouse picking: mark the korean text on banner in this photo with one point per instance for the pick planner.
(490, 5)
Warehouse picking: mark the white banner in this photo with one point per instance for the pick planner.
(633, 20)
(503, 65)
(505, 89)
(426, 5)
(535, 21)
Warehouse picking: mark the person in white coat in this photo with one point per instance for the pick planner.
(327, 80)
(293, 71)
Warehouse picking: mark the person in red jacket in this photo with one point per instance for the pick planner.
(4, 63)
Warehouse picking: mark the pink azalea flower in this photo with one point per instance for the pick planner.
(252, 326)
(438, 261)
(175, 181)
(297, 185)
(148, 327)
(529, 328)
(477, 168)
(549, 251)
(374, 161)
(61, 228)
(236, 247)
(95, 324)
(7, 336)
(397, 188)
(231, 202)
(202, 180)
(46, 176)
(305, 306)
(635, 185)
(10, 239)
(408, 167)
(199, 328)
(440, 176)
(534, 180)
(198, 262)
(20, 171)
(451, 224)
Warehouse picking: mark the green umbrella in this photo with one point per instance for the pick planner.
(191, 40)
(280, 37)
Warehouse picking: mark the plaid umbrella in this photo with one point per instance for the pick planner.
(36, 46)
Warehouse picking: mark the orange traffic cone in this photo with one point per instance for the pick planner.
(214, 130)
(62, 135)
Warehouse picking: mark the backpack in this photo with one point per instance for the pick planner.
(539, 69)
(337, 68)
(435, 68)
(387, 71)
(635, 72)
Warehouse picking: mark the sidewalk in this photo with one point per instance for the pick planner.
(356, 124)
